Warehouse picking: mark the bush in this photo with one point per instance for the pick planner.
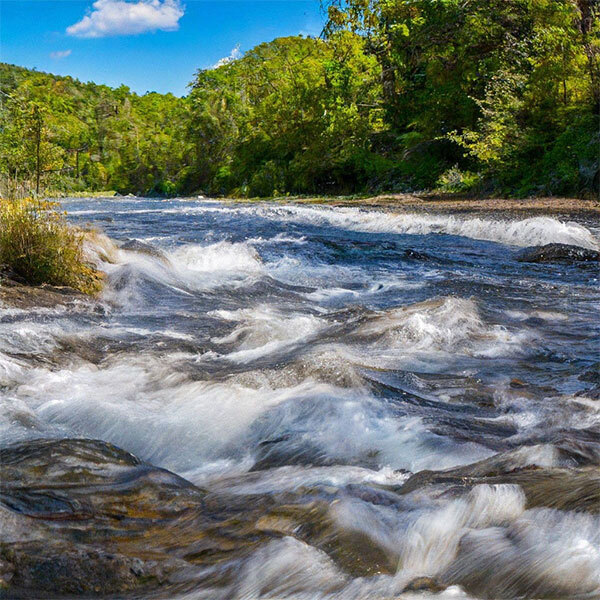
(38, 245)
(269, 180)
(456, 181)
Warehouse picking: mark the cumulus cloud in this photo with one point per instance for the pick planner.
(233, 55)
(119, 17)
(60, 54)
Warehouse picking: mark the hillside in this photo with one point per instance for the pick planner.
(91, 137)
(446, 96)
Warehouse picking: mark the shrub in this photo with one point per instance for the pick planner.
(268, 179)
(38, 245)
(456, 181)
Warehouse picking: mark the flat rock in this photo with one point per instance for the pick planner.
(62, 568)
(16, 294)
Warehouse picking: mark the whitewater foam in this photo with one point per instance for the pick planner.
(437, 328)
(222, 256)
(261, 331)
(532, 231)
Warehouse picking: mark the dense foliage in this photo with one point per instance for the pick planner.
(68, 136)
(507, 88)
(294, 115)
(501, 96)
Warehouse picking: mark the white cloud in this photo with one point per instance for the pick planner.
(60, 54)
(119, 17)
(233, 55)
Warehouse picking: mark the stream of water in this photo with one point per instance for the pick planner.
(315, 370)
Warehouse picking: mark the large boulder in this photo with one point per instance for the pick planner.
(84, 517)
(558, 253)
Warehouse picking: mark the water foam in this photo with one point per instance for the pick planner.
(487, 542)
(222, 256)
(185, 270)
(444, 326)
(262, 330)
(532, 231)
(146, 407)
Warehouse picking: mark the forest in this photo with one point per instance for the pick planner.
(494, 97)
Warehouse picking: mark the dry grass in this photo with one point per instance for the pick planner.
(39, 246)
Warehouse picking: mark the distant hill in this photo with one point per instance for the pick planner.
(91, 136)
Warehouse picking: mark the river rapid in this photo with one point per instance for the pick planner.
(319, 403)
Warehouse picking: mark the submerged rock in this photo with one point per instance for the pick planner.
(549, 487)
(143, 248)
(558, 253)
(424, 584)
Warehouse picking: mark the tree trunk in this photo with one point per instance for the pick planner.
(589, 11)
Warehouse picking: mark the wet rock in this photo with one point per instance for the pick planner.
(517, 384)
(592, 375)
(313, 523)
(558, 253)
(61, 568)
(92, 518)
(17, 294)
(87, 507)
(550, 487)
(425, 584)
(143, 248)
(7, 572)
(593, 393)
(287, 450)
(416, 255)
(73, 480)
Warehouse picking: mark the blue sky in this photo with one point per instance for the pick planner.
(149, 45)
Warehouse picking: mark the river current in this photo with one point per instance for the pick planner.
(381, 398)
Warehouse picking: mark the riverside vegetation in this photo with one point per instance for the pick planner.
(497, 97)
(38, 246)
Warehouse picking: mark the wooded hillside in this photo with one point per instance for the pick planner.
(501, 96)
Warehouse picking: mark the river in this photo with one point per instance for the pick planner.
(368, 404)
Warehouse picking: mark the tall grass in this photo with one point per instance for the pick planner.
(39, 246)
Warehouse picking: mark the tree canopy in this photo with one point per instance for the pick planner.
(91, 137)
(494, 96)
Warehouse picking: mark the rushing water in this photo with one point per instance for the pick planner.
(310, 361)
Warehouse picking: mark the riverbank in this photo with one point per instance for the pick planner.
(38, 246)
(430, 202)
(413, 202)
(20, 295)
